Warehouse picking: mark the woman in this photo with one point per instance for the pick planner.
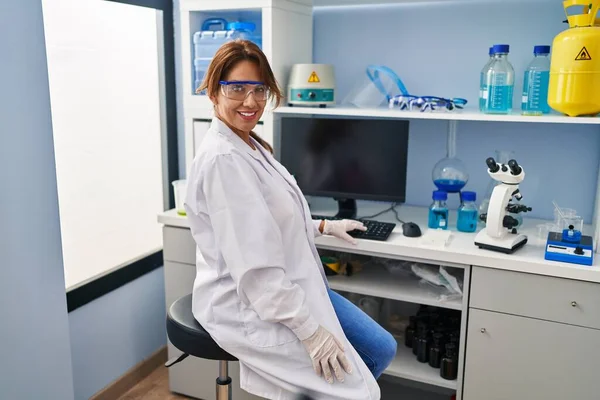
(260, 289)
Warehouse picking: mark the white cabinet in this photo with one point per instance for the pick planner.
(519, 358)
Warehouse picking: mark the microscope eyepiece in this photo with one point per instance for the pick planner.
(492, 165)
(515, 169)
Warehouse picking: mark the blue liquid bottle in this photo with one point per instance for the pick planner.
(467, 213)
(483, 89)
(535, 83)
(438, 211)
(500, 80)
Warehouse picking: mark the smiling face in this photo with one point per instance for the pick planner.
(242, 115)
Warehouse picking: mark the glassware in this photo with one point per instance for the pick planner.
(409, 333)
(449, 366)
(179, 188)
(500, 79)
(483, 89)
(438, 211)
(467, 213)
(450, 173)
(535, 83)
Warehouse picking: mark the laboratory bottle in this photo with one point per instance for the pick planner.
(449, 365)
(467, 213)
(435, 351)
(409, 332)
(438, 211)
(499, 79)
(422, 342)
(535, 83)
(483, 89)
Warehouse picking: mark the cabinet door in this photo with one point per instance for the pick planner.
(511, 357)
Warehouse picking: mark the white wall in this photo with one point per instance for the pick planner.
(104, 89)
(34, 333)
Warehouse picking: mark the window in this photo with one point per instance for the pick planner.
(106, 67)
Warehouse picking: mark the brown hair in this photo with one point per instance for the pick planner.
(226, 58)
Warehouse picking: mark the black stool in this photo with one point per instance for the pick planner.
(189, 336)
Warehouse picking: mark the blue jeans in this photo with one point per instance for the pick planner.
(376, 346)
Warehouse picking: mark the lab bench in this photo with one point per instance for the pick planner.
(529, 327)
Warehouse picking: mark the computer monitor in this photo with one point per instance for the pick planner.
(346, 158)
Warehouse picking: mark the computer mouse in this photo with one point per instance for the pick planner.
(410, 229)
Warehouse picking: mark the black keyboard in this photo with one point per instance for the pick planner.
(376, 230)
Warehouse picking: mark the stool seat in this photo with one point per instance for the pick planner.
(186, 334)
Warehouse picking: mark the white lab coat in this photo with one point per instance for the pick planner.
(260, 287)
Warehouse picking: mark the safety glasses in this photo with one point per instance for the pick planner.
(239, 90)
(426, 103)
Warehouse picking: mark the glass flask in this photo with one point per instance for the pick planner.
(450, 174)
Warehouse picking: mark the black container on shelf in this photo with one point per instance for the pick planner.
(449, 365)
(410, 331)
(436, 350)
(422, 342)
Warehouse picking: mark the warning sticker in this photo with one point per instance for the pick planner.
(313, 78)
(583, 55)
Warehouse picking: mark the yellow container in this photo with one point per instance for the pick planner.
(574, 87)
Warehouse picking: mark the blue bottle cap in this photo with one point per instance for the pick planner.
(439, 195)
(501, 48)
(541, 49)
(469, 196)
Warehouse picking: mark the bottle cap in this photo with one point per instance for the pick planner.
(439, 195)
(541, 49)
(501, 48)
(469, 196)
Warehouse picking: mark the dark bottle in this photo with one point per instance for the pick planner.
(422, 342)
(435, 350)
(409, 332)
(449, 366)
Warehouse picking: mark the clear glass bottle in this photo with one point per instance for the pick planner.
(483, 89)
(467, 213)
(535, 83)
(438, 211)
(500, 79)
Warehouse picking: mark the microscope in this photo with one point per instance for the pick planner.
(500, 233)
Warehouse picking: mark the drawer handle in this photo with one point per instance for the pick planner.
(482, 330)
(573, 304)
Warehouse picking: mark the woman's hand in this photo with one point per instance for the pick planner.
(340, 228)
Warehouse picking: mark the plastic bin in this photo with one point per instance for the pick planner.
(208, 40)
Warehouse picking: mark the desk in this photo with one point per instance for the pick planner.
(529, 318)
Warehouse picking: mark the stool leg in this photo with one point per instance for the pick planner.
(223, 381)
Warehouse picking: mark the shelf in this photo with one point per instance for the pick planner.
(464, 115)
(378, 282)
(406, 366)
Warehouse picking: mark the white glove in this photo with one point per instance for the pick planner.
(339, 229)
(327, 354)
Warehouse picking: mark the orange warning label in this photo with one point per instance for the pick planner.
(583, 55)
(313, 78)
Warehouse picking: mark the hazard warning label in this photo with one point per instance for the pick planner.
(583, 55)
(313, 78)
